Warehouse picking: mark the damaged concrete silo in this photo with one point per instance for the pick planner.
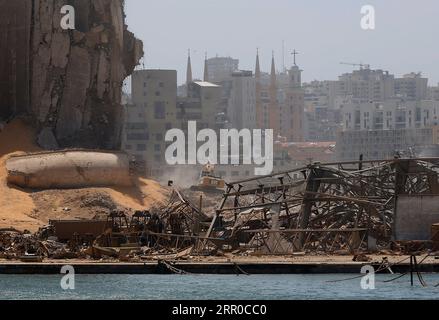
(69, 169)
(68, 81)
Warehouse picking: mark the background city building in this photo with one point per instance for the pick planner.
(365, 112)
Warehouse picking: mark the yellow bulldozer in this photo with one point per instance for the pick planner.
(209, 182)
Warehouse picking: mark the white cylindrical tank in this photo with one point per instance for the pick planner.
(69, 169)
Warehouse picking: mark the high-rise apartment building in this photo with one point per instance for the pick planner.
(380, 130)
(433, 93)
(242, 102)
(367, 84)
(220, 69)
(155, 109)
(412, 86)
(391, 114)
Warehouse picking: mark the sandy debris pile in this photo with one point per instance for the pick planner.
(15, 204)
(76, 204)
(32, 209)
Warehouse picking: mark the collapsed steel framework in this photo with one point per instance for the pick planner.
(182, 223)
(334, 206)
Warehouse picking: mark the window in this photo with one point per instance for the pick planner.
(157, 148)
(137, 126)
(137, 136)
(141, 147)
(159, 110)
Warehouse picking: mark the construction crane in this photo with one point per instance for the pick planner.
(361, 65)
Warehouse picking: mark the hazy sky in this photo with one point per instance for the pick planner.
(325, 32)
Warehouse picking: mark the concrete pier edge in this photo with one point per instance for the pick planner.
(203, 268)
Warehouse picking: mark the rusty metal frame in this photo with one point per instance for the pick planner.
(334, 196)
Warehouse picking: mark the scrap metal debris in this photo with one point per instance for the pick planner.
(341, 208)
(322, 208)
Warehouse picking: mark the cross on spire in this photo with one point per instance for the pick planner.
(295, 53)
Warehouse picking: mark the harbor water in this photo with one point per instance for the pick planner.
(213, 287)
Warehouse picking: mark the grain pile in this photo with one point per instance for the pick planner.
(31, 209)
(15, 204)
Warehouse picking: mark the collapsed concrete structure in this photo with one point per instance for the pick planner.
(68, 81)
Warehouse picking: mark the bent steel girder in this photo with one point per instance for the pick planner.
(331, 196)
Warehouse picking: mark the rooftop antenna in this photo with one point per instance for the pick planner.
(283, 56)
(206, 71)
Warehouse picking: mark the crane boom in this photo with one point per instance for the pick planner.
(361, 65)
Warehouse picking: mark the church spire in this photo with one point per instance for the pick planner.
(274, 114)
(258, 66)
(189, 69)
(273, 71)
(206, 69)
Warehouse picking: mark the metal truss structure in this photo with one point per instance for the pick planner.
(335, 206)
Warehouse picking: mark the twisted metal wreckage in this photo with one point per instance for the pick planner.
(327, 208)
(322, 208)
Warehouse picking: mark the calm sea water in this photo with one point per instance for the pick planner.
(151, 287)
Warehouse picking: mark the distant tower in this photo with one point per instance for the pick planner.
(206, 69)
(274, 112)
(295, 73)
(189, 69)
(296, 104)
(259, 112)
(258, 66)
(296, 77)
(273, 73)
